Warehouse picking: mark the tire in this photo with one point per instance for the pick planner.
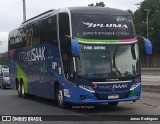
(113, 103)
(3, 87)
(60, 97)
(21, 92)
(24, 95)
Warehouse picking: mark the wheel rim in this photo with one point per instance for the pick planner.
(60, 97)
(18, 88)
(22, 89)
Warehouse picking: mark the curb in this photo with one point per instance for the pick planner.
(151, 88)
(150, 71)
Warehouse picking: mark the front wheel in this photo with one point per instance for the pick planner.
(60, 97)
(113, 103)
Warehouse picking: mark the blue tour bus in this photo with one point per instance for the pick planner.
(77, 54)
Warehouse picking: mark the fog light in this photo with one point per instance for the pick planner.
(82, 97)
(138, 94)
(66, 92)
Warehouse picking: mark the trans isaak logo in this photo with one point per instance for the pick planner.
(35, 54)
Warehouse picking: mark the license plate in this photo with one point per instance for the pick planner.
(113, 96)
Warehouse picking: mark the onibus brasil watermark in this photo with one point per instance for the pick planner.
(21, 118)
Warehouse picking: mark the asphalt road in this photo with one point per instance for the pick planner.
(150, 79)
(11, 104)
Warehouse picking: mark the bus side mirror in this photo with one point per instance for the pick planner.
(75, 47)
(148, 46)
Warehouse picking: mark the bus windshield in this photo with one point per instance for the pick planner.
(105, 61)
(102, 26)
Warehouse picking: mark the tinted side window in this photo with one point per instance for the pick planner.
(44, 31)
(15, 39)
(48, 31)
(64, 27)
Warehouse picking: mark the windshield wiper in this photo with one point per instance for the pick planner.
(128, 74)
(113, 74)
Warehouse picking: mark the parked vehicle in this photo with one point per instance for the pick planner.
(4, 79)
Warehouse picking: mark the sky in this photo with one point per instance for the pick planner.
(11, 14)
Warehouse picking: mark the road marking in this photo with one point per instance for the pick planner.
(151, 106)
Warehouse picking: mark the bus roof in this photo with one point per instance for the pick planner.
(98, 10)
(82, 10)
(78, 10)
(40, 16)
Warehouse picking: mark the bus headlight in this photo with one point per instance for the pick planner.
(88, 88)
(66, 92)
(135, 85)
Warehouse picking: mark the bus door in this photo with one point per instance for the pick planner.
(65, 46)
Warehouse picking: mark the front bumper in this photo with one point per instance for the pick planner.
(82, 96)
(107, 101)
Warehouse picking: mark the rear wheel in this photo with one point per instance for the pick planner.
(24, 95)
(113, 103)
(21, 91)
(60, 97)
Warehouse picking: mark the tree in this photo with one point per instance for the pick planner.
(140, 19)
(130, 11)
(100, 4)
(4, 58)
(91, 4)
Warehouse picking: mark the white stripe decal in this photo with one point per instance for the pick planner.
(85, 42)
